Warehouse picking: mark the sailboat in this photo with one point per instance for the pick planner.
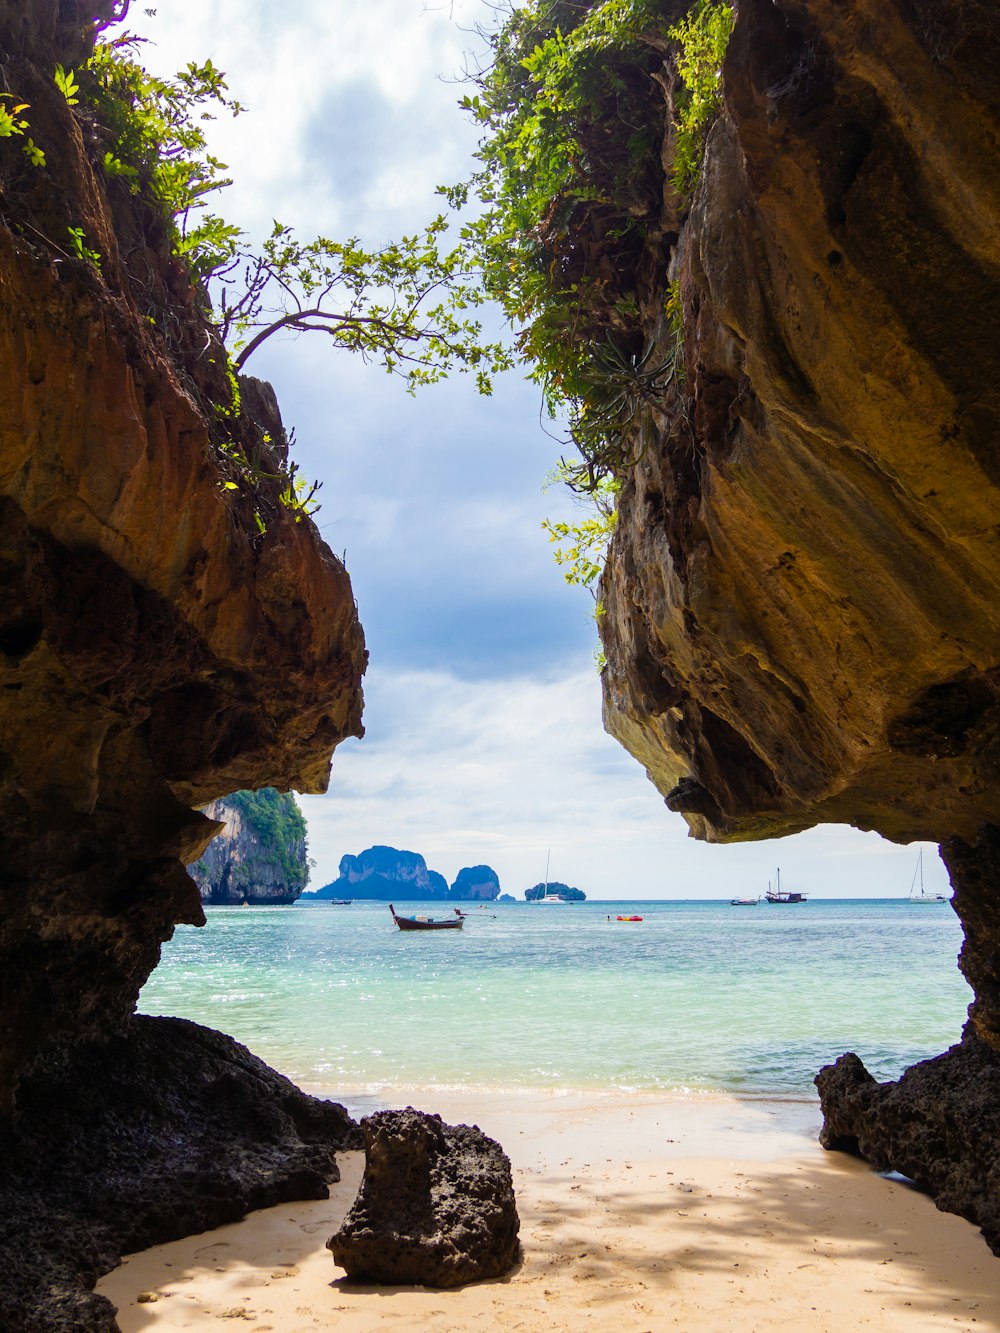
(546, 897)
(920, 895)
(780, 895)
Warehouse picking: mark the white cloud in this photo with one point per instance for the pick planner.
(504, 771)
(287, 65)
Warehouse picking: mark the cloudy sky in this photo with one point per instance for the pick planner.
(484, 739)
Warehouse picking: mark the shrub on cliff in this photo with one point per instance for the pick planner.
(573, 108)
(403, 304)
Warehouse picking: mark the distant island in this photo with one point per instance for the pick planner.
(554, 890)
(387, 873)
(475, 884)
(261, 854)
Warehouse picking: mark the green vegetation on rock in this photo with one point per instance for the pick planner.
(573, 107)
(570, 181)
(278, 824)
(702, 36)
(407, 304)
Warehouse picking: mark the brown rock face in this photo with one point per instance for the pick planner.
(802, 618)
(802, 623)
(157, 648)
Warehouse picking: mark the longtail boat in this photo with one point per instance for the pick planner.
(428, 922)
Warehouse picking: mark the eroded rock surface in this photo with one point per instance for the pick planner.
(939, 1125)
(169, 630)
(436, 1205)
(802, 622)
(166, 1131)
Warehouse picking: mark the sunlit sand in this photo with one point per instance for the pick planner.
(637, 1213)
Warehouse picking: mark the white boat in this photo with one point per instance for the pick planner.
(546, 897)
(920, 894)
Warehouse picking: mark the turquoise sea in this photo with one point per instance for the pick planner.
(698, 996)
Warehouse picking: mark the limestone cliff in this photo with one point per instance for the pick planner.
(802, 621)
(169, 632)
(801, 614)
(261, 854)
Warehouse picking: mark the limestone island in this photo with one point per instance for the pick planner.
(388, 874)
(261, 854)
(554, 891)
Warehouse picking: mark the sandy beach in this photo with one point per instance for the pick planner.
(637, 1213)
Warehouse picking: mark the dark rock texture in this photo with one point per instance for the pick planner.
(939, 1125)
(163, 1131)
(475, 884)
(261, 855)
(436, 1205)
(975, 877)
(385, 873)
(157, 648)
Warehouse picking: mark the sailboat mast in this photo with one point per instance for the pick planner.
(548, 858)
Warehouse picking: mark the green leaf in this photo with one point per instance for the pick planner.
(67, 85)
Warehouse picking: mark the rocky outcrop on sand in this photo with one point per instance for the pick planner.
(939, 1125)
(261, 854)
(169, 630)
(152, 1135)
(475, 884)
(436, 1205)
(385, 873)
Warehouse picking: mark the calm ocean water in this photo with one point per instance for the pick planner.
(698, 996)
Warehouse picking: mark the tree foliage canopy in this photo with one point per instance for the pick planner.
(405, 304)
